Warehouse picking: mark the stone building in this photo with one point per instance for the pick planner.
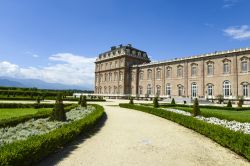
(127, 71)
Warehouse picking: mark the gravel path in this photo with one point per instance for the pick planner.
(136, 138)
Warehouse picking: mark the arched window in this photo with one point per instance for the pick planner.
(149, 89)
(194, 89)
(180, 90)
(141, 75)
(226, 66)
(158, 90)
(179, 71)
(244, 64)
(168, 89)
(210, 89)
(168, 72)
(226, 88)
(158, 73)
(149, 74)
(194, 67)
(245, 89)
(105, 90)
(120, 90)
(140, 90)
(115, 90)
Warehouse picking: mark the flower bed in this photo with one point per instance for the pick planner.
(232, 125)
(234, 140)
(40, 126)
(29, 151)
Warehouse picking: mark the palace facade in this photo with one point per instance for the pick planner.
(126, 71)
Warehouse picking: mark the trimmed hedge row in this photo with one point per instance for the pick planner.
(21, 119)
(30, 151)
(236, 141)
(19, 105)
(208, 107)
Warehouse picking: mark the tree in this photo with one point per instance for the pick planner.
(220, 98)
(229, 104)
(173, 102)
(131, 100)
(196, 108)
(84, 101)
(155, 102)
(58, 112)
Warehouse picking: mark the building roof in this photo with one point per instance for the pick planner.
(216, 53)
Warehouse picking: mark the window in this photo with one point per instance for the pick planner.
(194, 90)
(158, 74)
(158, 90)
(180, 90)
(141, 75)
(121, 63)
(179, 71)
(194, 71)
(96, 78)
(110, 65)
(149, 74)
(110, 76)
(168, 89)
(210, 69)
(226, 88)
(116, 64)
(120, 90)
(149, 89)
(105, 90)
(210, 90)
(168, 73)
(140, 90)
(110, 90)
(100, 90)
(226, 68)
(120, 76)
(115, 90)
(101, 78)
(106, 66)
(245, 89)
(244, 66)
(115, 76)
(105, 78)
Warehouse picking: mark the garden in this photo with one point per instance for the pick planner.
(31, 129)
(228, 126)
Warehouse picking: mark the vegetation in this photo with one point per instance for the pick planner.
(196, 108)
(58, 112)
(19, 152)
(131, 100)
(236, 141)
(83, 101)
(229, 104)
(155, 102)
(241, 102)
(220, 98)
(173, 102)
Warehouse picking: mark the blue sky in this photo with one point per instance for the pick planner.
(41, 39)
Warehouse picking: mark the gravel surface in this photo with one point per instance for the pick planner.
(134, 138)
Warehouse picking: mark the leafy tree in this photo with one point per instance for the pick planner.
(155, 102)
(173, 102)
(196, 108)
(58, 113)
(229, 104)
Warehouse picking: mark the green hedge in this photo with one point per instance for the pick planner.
(19, 105)
(30, 151)
(207, 106)
(236, 141)
(21, 119)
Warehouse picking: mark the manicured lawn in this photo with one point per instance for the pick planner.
(6, 113)
(241, 116)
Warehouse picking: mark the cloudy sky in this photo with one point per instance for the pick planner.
(58, 41)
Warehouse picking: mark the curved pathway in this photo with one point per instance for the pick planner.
(136, 138)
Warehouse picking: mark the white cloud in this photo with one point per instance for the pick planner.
(238, 32)
(66, 68)
(35, 56)
(230, 3)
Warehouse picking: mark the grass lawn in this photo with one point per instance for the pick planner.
(7, 113)
(240, 116)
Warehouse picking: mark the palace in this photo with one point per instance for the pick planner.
(126, 71)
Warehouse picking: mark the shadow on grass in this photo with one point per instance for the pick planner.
(59, 155)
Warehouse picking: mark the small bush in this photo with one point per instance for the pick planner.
(131, 100)
(229, 104)
(58, 112)
(185, 102)
(220, 98)
(84, 102)
(196, 108)
(173, 102)
(155, 102)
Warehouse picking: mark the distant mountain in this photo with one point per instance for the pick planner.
(16, 82)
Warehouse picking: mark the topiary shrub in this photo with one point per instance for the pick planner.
(173, 102)
(220, 98)
(84, 101)
(58, 112)
(80, 100)
(241, 102)
(131, 100)
(155, 102)
(229, 104)
(196, 108)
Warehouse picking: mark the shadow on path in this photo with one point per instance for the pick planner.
(60, 154)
